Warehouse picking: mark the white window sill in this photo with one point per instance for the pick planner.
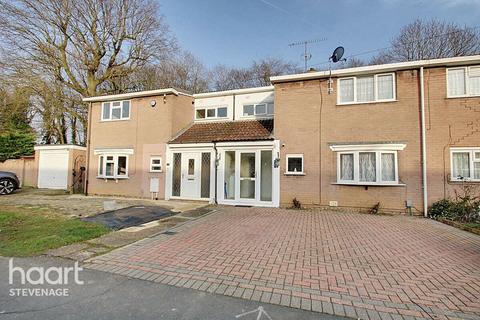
(367, 102)
(294, 173)
(464, 96)
(112, 178)
(156, 171)
(114, 120)
(364, 184)
(465, 181)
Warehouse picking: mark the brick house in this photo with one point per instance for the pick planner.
(403, 135)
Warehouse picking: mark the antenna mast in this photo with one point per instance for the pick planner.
(306, 55)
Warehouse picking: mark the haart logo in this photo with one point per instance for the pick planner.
(38, 276)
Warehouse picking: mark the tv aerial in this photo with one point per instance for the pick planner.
(306, 55)
(336, 56)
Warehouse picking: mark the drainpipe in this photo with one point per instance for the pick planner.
(424, 146)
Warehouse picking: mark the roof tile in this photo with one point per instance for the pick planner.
(248, 130)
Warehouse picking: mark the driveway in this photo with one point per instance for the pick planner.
(360, 266)
(79, 205)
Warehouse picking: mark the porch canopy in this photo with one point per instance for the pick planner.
(207, 132)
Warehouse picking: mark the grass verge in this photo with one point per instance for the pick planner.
(29, 232)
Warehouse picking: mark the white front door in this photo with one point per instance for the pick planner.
(247, 175)
(190, 185)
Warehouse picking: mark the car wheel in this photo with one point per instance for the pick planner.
(6, 186)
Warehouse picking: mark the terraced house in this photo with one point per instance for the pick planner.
(403, 135)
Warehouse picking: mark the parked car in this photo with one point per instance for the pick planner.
(8, 182)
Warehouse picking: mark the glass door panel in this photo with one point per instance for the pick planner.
(266, 175)
(247, 175)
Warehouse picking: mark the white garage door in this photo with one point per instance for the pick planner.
(53, 169)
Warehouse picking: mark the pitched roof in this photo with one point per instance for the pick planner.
(207, 132)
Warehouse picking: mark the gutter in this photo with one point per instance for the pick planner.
(424, 146)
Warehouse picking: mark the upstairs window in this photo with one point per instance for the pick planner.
(465, 163)
(374, 88)
(259, 109)
(463, 82)
(211, 113)
(116, 110)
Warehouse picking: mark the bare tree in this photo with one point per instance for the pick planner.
(431, 39)
(258, 74)
(84, 43)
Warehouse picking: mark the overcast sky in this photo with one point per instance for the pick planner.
(236, 32)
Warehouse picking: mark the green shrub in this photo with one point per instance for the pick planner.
(443, 208)
(464, 208)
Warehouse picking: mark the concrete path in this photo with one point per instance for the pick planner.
(109, 296)
(346, 264)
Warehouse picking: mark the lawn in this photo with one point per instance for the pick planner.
(29, 232)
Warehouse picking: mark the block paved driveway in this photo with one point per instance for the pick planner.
(354, 265)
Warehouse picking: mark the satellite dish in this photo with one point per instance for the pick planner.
(337, 54)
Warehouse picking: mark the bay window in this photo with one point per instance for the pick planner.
(112, 166)
(367, 164)
(465, 164)
(463, 82)
(365, 89)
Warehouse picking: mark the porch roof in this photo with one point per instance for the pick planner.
(248, 130)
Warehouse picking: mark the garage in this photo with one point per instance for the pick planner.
(56, 165)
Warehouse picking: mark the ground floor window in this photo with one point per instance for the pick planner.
(155, 164)
(294, 164)
(113, 166)
(465, 164)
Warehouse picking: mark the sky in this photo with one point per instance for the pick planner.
(234, 33)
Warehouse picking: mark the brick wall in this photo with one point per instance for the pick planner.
(302, 108)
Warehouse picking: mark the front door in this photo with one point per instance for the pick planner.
(248, 175)
(190, 186)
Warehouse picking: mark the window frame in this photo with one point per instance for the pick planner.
(258, 115)
(378, 167)
(375, 89)
(466, 72)
(102, 166)
(472, 161)
(206, 109)
(153, 158)
(294, 155)
(122, 118)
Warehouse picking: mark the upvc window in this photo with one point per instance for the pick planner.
(155, 164)
(112, 166)
(295, 164)
(463, 82)
(367, 167)
(259, 109)
(116, 110)
(211, 113)
(365, 89)
(465, 164)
